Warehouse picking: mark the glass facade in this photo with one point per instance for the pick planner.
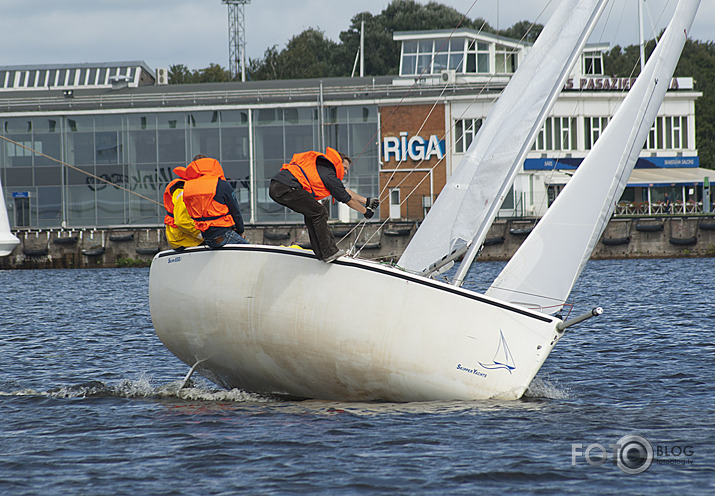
(111, 169)
(425, 57)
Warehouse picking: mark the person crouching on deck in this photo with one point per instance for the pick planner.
(212, 204)
(311, 177)
(181, 232)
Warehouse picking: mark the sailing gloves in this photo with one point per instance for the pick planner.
(371, 205)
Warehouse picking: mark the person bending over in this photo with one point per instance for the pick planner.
(313, 176)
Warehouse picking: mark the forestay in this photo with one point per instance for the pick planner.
(544, 269)
(470, 200)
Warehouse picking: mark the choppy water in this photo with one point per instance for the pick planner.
(89, 403)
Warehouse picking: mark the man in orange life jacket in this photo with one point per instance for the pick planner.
(211, 202)
(313, 176)
(181, 232)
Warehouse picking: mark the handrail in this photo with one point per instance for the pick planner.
(164, 98)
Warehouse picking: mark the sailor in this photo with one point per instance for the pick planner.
(311, 177)
(211, 203)
(181, 232)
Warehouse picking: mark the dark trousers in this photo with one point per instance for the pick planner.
(314, 214)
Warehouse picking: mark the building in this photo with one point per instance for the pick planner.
(93, 145)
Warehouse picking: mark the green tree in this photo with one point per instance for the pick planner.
(382, 53)
(179, 74)
(523, 30)
(697, 61)
(309, 55)
(214, 73)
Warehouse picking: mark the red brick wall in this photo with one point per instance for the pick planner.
(416, 120)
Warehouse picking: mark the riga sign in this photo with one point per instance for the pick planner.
(415, 148)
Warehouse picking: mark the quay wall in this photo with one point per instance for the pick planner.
(637, 237)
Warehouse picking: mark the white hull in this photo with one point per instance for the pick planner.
(8, 241)
(276, 320)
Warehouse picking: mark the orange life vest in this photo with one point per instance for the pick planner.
(303, 167)
(199, 192)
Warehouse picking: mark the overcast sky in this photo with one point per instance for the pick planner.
(195, 32)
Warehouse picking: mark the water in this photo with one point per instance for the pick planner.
(89, 403)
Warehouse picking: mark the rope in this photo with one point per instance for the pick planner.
(408, 172)
(80, 170)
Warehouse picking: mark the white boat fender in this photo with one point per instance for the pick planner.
(595, 312)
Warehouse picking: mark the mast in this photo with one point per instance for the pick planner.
(542, 272)
(640, 32)
(470, 201)
(554, 92)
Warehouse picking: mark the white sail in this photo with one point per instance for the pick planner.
(472, 196)
(8, 241)
(544, 269)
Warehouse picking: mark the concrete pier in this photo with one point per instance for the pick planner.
(624, 237)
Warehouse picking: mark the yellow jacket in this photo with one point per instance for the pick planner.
(185, 233)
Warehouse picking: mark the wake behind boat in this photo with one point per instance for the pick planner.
(276, 320)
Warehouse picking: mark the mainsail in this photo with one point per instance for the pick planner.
(7, 240)
(544, 269)
(470, 200)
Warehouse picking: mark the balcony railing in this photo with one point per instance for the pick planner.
(660, 208)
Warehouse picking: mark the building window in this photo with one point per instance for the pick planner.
(424, 56)
(416, 57)
(464, 132)
(433, 56)
(593, 64)
(668, 133)
(477, 57)
(594, 127)
(505, 61)
(558, 134)
(450, 55)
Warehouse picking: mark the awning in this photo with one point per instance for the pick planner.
(688, 176)
(652, 177)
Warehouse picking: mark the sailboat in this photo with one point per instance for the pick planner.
(8, 241)
(278, 321)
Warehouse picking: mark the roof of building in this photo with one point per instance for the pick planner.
(236, 93)
(456, 33)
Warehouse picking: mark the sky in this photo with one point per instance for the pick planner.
(194, 33)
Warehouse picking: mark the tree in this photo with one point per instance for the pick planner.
(524, 31)
(179, 74)
(309, 55)
(214, 73)
(697, 61)
(382, 53)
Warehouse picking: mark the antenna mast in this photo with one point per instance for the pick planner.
(237, 37)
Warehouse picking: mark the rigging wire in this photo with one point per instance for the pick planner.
(77, 169)
(448, 132)
(634, 68)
